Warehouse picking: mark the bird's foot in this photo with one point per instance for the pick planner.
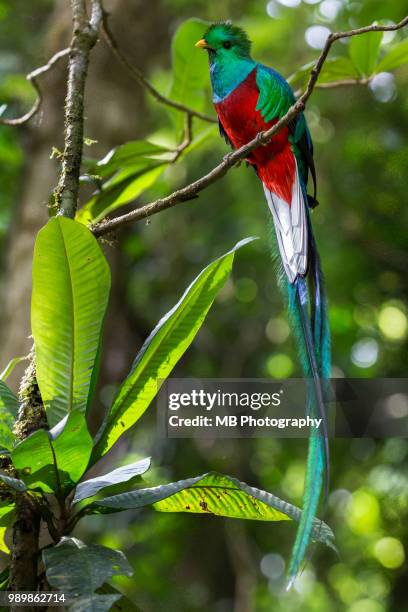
(227, 159)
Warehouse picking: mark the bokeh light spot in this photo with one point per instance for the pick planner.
(272, 566)
(363, 512)
(393, 322)
(289, 3)
(383, 87)
(330, 8)
(364, 353)
(246, 290)
(277, 330)
(316, 36)
(366, 605)
(279, 365)
(389, 552)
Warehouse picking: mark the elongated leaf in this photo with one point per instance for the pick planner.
(215, 494)
(95, 603)
(91, 487)
(128, 154)
(4, 579)
(78, 570)
(8, 414)
(334, 69)
(55, 460)
(190, 69)
(394, 58)
(10, 367)
(7, 513)
(162, 350)
(125, 186)
(7, 518)
(123, 603)
(364, 51)
(71, 282)
(13, 483)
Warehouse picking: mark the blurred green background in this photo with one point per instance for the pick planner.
(187, 563)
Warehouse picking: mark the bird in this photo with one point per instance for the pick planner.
(250, 98)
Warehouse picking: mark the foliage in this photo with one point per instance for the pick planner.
(70, 293)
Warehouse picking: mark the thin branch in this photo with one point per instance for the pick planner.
(187, 140)
(85, 35)
(139, 77)
(32, 78)
(191, 191)
(344, 83)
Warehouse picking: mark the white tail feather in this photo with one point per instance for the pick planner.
(291, 229)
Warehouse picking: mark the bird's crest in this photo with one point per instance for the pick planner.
(227, 29)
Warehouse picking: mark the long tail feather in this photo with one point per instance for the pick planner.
(311, 329)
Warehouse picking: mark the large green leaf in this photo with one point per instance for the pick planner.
(125, 186)
(364, 51)
(162, 350)
(55, 460)
(190, 69)
(213, 494)
(394, 58)
(78, 570)
(71, 282)
(128, 154)
(8, 414)
(334, 69)
(91, 487)
(123, 604)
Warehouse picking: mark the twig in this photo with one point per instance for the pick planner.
(344, 83)
(190, 191)
(139, 77)
(32, 78)
(85, 35)
(188, 138)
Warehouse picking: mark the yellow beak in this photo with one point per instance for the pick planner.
(202, 44)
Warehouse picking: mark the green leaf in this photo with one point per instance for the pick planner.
(10, 367)
(7, 513)
(4, 580)
(125, 186)
(13, 483)
(91, 487)
(8, 413)
(95, 603)
(363, 51)
(128, 154)
(394, 58)
(334, 69)
(190, 69)
(213, 494)
(123, 603)
(55, 460)
(78, 570)
(162, 350)
(71, 282)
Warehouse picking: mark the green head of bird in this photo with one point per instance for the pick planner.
(225, 42)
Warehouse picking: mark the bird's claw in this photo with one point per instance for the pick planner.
(227, 159)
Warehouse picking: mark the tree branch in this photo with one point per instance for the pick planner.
(32, 78)
(24, 554)
(191, 191)
(139, 77)
(85, 35)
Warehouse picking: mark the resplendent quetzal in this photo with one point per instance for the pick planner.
(249, 98)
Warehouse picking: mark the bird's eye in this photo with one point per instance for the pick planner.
(227, 44)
